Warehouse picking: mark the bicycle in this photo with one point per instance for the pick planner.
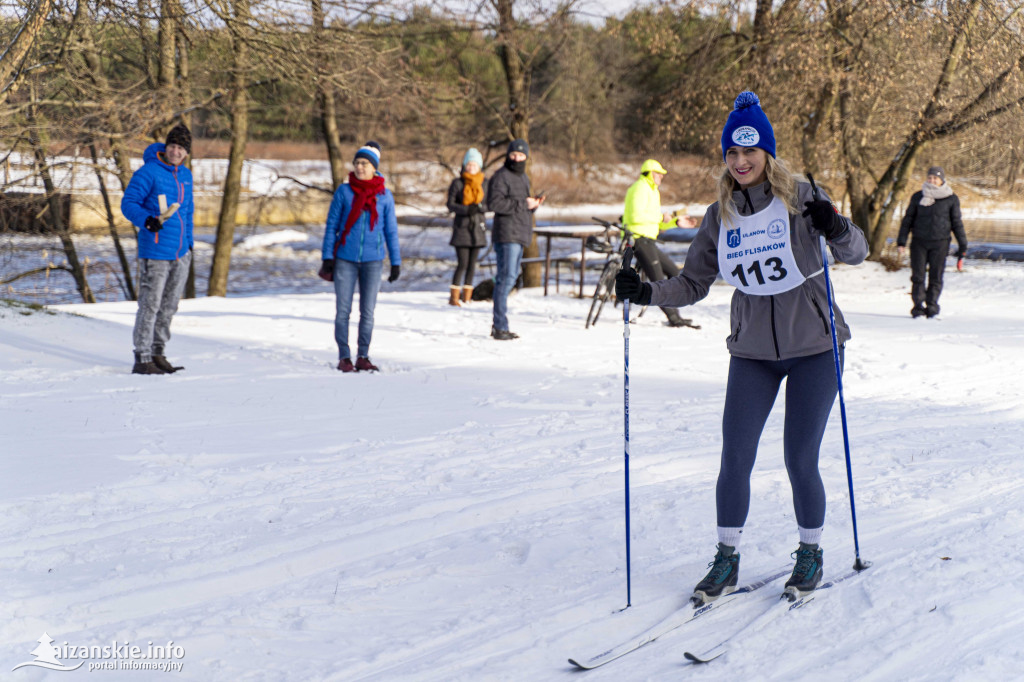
(605, 288)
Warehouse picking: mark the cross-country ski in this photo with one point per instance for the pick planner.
(675, 620)
(786, 602)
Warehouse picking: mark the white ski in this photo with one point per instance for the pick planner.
(676, 619)
(788, 601)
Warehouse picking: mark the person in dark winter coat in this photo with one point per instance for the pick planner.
(508, 195)
(360, 224)
(158, 201)
(467, 201)
(933, 213)
(763, 237)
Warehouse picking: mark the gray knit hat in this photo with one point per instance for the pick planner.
(937, 171)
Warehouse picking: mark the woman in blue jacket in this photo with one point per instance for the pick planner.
(158, 201)
(360, 224)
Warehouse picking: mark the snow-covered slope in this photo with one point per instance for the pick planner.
(459, 516)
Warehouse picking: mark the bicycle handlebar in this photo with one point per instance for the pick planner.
(607, 225)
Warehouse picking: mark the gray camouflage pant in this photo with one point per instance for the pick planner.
(161, 283)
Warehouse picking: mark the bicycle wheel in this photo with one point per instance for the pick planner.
(604, 290)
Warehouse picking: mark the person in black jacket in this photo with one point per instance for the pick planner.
(933, 213)
(508, 195)
(466, 201)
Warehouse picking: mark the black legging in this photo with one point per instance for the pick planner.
(465, 265)
(753, 386)
(656, 265)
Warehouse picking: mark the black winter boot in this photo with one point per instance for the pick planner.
(722, 577)
(807, 572)
(145, 367)
(161, 362)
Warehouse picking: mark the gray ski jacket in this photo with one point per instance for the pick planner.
(778, 327)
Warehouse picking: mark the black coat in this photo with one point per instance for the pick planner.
(467, 229)
(506, 196)
(933, 223)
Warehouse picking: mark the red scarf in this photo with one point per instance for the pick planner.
(365, 199)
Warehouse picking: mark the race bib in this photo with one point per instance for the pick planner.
(755, 252)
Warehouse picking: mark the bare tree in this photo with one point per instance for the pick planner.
(237, 17)
(12, 59)
(521, 53)
(54, 212)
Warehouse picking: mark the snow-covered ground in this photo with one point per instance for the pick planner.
(459, 516)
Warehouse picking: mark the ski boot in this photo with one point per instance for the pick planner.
(807, 572)
(722, 577)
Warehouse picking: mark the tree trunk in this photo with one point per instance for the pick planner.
(517, 79)
(236, 157)
(166, 66)
(184, 101)
(53, 205)
(121, 256)
(327, 105)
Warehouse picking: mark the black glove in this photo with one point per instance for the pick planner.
(824, 218)
(395, 270)
(628, 284)
(327, 270)
(474, 210)
(153, 224)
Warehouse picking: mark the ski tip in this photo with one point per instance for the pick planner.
(706, 657)
(578, 665)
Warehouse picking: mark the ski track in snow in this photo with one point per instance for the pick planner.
(459, 515)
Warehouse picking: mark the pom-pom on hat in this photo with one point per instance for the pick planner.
(473, 156)
(181, 136)
(371, 152)
(747, 126)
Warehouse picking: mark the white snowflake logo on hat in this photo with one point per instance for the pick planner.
(746, 136)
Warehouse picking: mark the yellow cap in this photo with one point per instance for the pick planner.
(652, 165)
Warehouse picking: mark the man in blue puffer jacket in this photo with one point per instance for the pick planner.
(360, 223)
(158, 201)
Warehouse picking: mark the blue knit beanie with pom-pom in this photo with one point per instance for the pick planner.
(747, 126)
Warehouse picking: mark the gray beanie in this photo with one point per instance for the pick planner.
(937, 171)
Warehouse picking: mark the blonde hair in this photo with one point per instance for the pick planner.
(782, 181)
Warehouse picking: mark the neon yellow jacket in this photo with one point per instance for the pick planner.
(642, 213)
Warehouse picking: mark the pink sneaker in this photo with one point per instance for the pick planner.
(346, 365)
(364, 365)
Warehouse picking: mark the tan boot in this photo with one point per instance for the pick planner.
(467, 293)
(454, 300)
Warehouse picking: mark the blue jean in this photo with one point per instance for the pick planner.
(346, 275)
(753, 385)
(508, 256)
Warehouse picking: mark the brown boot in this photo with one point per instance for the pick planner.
(454, 299)
(467, 293)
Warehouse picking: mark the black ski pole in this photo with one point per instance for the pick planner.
(858, 564)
